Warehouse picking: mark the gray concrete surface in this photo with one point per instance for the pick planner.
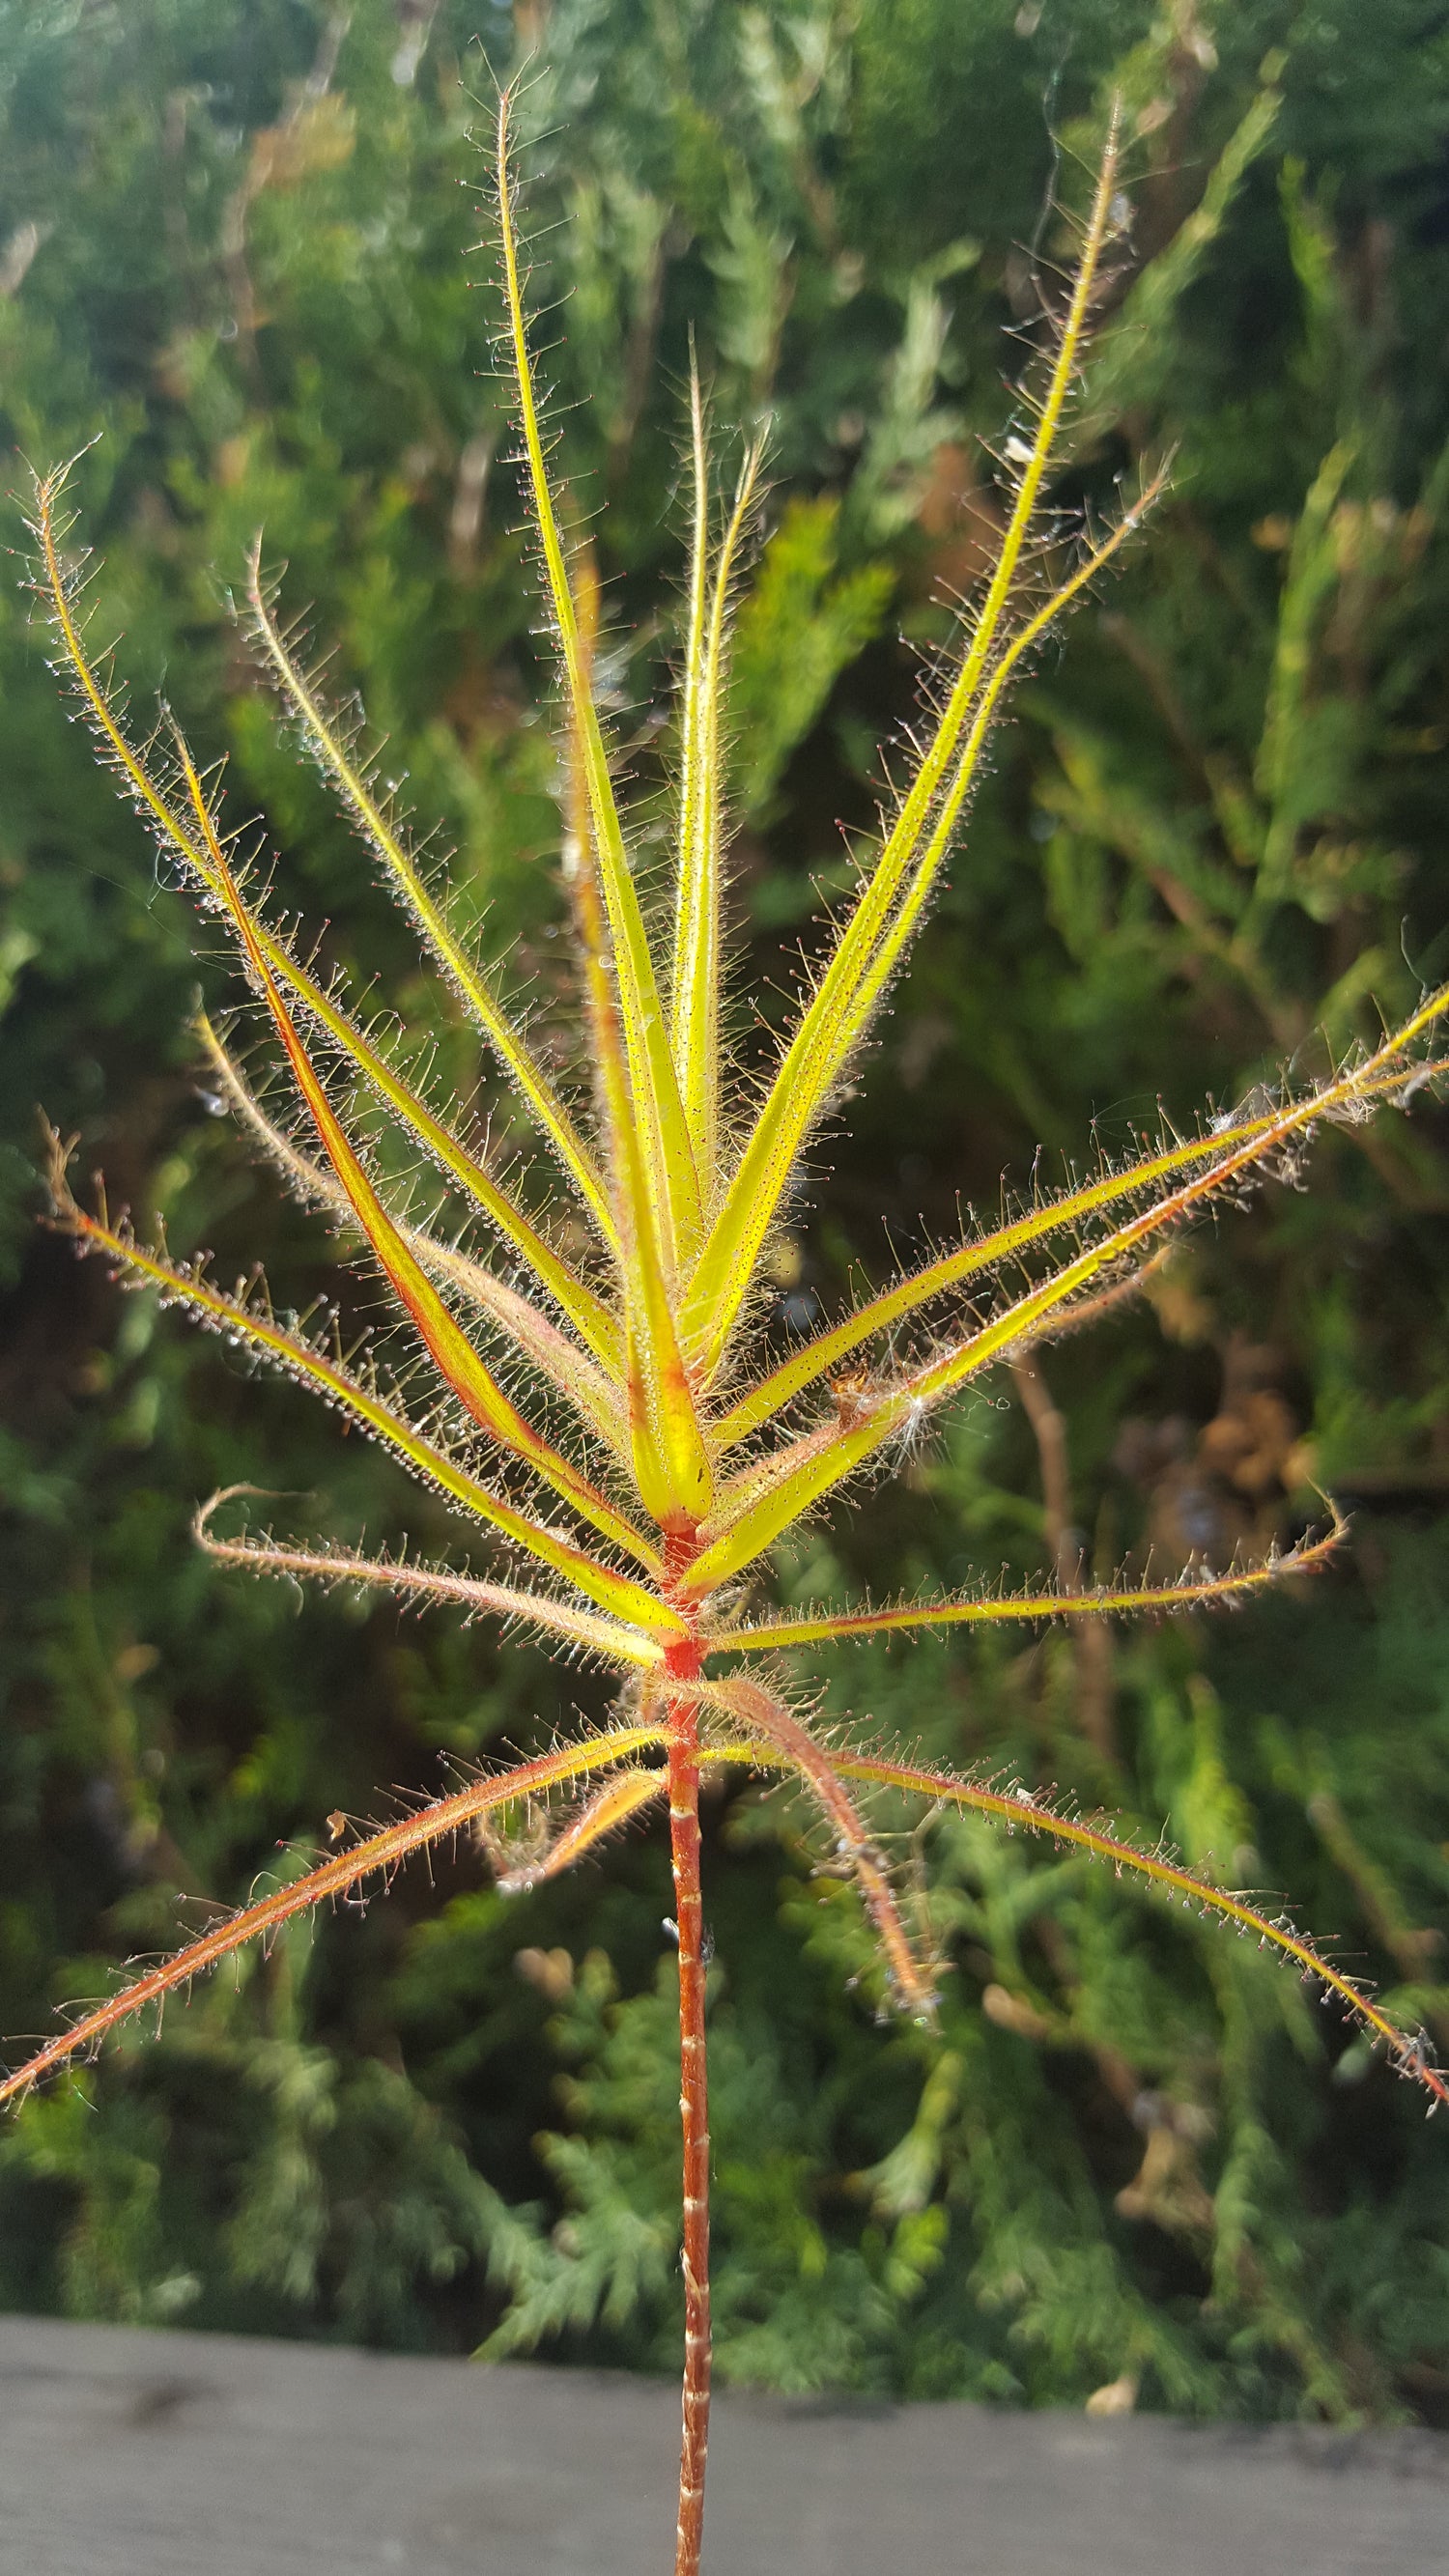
(133, 2454)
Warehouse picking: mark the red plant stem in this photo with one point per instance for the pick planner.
(684, 1661)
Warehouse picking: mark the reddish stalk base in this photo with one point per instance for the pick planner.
(684, 1662)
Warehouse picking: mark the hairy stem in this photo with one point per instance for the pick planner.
(683, 1722)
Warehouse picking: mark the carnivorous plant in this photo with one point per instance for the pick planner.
(612, 1418)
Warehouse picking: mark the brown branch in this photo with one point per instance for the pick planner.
(1091, 1639)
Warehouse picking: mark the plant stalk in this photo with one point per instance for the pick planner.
(684, 1662)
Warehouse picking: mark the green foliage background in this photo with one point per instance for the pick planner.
(235, 240)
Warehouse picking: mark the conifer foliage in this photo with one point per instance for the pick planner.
(589, 1387)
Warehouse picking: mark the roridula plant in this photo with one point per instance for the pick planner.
(650, 1447)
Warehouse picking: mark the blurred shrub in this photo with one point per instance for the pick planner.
(235, 242)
